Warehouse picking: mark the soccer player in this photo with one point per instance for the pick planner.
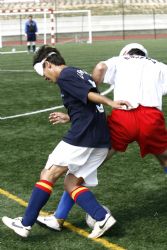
(81, 151)
(142, 81)
(31, 30)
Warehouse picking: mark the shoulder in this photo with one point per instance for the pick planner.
(155, 62)
(112, 62)
(67, 73)
(72, 71)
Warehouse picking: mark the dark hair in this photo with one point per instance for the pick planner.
(136, 52)
(44, 51)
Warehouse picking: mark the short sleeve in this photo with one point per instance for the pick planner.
(77, 83)
(111, 70)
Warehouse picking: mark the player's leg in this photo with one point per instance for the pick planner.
(41, 193)
(38, 199)
(83, 197)
(29, 39)
(56, 220)
(33, 39)
(153, 134)
(33, 46)
(91, 159)
(73, 155)
(162, 158)
(28, 46)
(65, 205)
(111, 152)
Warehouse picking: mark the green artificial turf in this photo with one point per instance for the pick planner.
(134, 189)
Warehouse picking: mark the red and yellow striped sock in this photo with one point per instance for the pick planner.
(45, 186)
(39, 197)
(76, 192)
(87, 201)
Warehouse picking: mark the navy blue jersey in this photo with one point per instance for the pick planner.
(88, 120)
(31, 27)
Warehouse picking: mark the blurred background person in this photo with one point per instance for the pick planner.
(31, 30)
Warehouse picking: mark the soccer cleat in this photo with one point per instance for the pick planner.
(101, 227)
(51, 221)
(17, 226)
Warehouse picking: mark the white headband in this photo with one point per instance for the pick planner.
(131, 46)
(39, 66)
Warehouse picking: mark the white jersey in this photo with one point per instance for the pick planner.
(137, 79)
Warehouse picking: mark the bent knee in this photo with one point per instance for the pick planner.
(53, 173)
(71, 182)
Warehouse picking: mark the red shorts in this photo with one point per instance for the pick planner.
(145, 125)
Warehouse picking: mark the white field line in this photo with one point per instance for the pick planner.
(16, 70)
(30, 113)
(48, 109)
(107, 91)
(13, 52)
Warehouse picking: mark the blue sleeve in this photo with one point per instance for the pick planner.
(77, 85)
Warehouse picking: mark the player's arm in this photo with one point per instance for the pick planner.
(99, 72)
(97, 98)
(26, 29)
(59, 117)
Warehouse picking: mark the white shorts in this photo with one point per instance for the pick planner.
(81, 161)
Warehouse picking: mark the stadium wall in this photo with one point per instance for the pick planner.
(102, 26)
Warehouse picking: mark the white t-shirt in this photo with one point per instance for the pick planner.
(137, 79)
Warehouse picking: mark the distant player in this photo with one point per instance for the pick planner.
(81, 151)
(31, 30)
(142, 81)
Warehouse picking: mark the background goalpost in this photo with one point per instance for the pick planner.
(53, 26)
(75, 24)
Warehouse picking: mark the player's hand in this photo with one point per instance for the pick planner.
(58, 117)
(121, 105)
